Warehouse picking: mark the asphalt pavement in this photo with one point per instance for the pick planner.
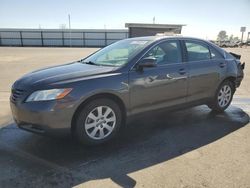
(29, 160)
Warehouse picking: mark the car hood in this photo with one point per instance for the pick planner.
(59, 73)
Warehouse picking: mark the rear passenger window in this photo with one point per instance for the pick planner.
(215, 54)
(197, 52)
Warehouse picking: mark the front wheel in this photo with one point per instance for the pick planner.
(223, 97)
(98, 122)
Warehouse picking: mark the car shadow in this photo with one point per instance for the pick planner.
(148, 140)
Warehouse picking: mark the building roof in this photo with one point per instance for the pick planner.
(162, 26)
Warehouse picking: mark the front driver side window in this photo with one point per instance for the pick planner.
(166, 53)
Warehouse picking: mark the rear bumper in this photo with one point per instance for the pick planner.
(238, 81)
(48, 117)
(240, 76)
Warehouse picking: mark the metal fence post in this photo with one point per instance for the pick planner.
(70, 38)
(21, 37)
(106, 43)
(42, 37)
(83, 39)
(62, 38)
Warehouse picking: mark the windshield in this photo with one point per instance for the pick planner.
(117, 54)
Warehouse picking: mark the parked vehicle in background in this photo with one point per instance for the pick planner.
(229, 44)
(92, 98)
(247, 43)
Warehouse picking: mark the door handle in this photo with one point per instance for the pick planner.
(169, 77)
(222, 64)
(151, 79)
(182, 71)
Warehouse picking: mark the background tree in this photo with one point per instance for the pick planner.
(231, 38)
(236, 39)
(222, 36)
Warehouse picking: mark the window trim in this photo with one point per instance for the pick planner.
(157, 43)
(197, 42)
(210, 47)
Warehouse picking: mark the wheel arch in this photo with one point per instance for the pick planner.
(110, 96)
(231, 79)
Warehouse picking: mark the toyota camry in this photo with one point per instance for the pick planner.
(92, 98)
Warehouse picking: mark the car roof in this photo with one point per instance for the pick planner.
(159, 38)
(156, 38)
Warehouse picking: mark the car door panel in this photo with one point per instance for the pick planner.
(204, 74)
(158, 87)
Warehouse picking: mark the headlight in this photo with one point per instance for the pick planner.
(51, 94)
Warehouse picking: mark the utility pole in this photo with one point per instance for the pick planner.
(69, 31)
(154, 20)
(242, 30)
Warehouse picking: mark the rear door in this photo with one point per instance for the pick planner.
(205, 66)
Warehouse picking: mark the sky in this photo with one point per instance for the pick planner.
(203, 19)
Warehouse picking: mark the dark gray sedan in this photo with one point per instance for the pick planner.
(92, 98)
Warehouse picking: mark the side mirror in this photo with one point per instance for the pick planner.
(147, 62)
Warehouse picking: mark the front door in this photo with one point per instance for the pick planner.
(162, 86)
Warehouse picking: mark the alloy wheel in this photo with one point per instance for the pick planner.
(224, 96)
(100, 122)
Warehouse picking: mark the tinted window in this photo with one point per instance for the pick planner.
(215, 54)
(166, 52)
(197, 52)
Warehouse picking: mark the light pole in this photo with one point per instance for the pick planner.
(242, 30)
(69, 31)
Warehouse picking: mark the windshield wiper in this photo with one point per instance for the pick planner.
(89, 63)
(96, 64)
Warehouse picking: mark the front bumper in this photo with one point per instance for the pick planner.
(46, 117)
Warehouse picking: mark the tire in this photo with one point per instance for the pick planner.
(223, 97)
(98, 122)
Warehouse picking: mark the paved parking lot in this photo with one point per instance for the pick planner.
(15, 62)
(188, 148)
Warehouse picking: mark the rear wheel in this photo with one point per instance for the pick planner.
(98, 122)
(223, 97)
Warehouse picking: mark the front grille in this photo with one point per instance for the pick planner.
(16, 94)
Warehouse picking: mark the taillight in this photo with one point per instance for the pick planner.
(242, 66)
